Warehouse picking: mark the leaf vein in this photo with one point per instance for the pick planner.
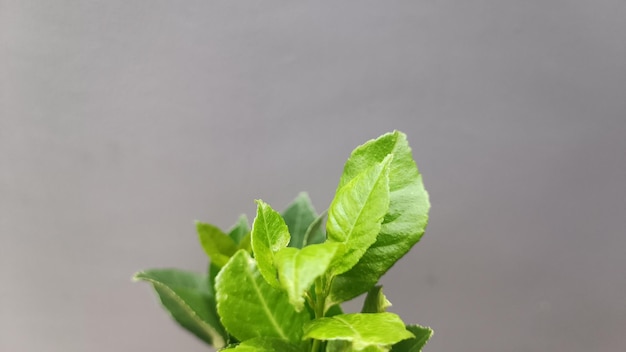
(369, 196)
(268, 312)
(218, 341)
(357, 334)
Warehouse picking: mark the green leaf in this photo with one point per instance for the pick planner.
(240, 229)
(356, 213)
(339, 346)
(422, 335)
(375, 301)
(246, 243)
(189, 299)
(404, 223)
(346, 346)
(334, 310)
(376, 349)
(213, 271)
(263, 344)
(363, 330)
(249, 307)
(298, 268)
(217, 245)
(298, 216)
(315, 232)
(269, 235)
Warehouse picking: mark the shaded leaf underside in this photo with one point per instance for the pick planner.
(188, 298)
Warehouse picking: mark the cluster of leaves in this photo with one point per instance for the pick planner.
(278, 286)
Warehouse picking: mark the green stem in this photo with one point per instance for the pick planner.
(310, 300)
(316, 346)
(320, 305)
(321, 293)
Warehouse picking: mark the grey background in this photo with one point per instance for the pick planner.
(121, 122)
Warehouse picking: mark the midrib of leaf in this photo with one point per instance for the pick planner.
(295, 272)
(349, 327)
(218, 341)
(267, 310)
(369, 195)
(266, 232)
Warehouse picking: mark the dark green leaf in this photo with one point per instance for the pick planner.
(422, 335)
(315, 232)
(339, 346)
(298, 216)
(188, 298)
(213, 271)
(404, 223)
(376, 349)
(246, 243)
(240, 230)
(249, 307)
(263, 344)
(375, 301)
(334, 310)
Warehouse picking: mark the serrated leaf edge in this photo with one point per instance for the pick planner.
(252, 262)
(218, 340)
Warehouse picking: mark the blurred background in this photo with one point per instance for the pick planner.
(123, 122)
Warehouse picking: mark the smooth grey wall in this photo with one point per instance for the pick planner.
(123, 121)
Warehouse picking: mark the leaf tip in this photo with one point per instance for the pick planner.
(138, 276)
(303, 195)
(199, 224)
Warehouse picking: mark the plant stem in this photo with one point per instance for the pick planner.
(319, 307)
(321, 293)
(316, 346)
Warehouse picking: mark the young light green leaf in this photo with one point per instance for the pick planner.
(315, 232)
(422, 335)
(240, 229)
(269, 235)
(298, 268)
(189, 299)
(375, 301)
(363, 330)
(298, 216)
(249, 307)
(263, 344)
(217, 245)
(240, 234)
(404, 223)
(213, 271)
(356, 212)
